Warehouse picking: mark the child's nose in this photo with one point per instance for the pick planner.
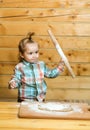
(34, 55)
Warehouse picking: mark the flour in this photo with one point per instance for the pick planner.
(56, 107)
(53, 108)
(77, 108)
(25, 103)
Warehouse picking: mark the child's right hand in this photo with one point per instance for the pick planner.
(12, 85)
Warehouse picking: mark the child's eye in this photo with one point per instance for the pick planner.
(30, 53)
(36, 52)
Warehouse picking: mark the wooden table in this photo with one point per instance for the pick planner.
(9, 121)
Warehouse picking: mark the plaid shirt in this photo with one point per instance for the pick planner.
(29, 79)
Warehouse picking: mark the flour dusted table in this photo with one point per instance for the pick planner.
(9, 121)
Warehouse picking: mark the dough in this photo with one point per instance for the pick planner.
(55, 106)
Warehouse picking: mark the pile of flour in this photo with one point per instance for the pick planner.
(56, 107)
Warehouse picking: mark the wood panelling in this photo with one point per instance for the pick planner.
(58, 83)
(65, 42)
(40, 28)
(69, 20)
(68, 94)
(55, 14)
(45, 3)
(8, 93)
(47, 55)
(54, 94)
(80, 69)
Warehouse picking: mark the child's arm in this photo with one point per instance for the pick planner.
(52, 73)
(16, 79)
(12, 85)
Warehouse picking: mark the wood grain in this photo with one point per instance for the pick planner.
(9, 120)
(70, 22)
(68, 94)
(45, 4)
(69, 29)
(47, 55)
(61, 82)
(45, 15)
(45, 42)
(52, 94)
(80, 69)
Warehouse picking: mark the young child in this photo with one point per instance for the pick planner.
(30, 72)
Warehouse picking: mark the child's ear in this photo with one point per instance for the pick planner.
(21, 55)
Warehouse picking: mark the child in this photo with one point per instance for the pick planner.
(30, 72)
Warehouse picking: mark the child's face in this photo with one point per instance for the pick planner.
(31, 53)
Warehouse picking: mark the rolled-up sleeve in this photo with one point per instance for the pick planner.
(51, 73)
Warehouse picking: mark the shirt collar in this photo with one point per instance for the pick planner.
(28, 63)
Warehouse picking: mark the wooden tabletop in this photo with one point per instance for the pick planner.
(9, 121)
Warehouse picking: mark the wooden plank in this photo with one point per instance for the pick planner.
(61, 82)
(45, 3)
(38, 124)
(68, 29)
(6, 41)
(45, 42)
(8, 93)
(80, 69)
(11, 55)
(9, 110)
(69, 21)
(52, 94)
(39, 14)
(7, 68)
(66, 82)
(68, 94)
(4, 79)
(32, 110)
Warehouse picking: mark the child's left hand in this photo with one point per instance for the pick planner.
(61, 65)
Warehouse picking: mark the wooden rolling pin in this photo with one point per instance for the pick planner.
(58, 48)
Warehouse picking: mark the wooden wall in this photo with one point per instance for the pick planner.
(69, 20)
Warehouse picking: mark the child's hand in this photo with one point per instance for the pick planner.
(61, 65)
(12, 85)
